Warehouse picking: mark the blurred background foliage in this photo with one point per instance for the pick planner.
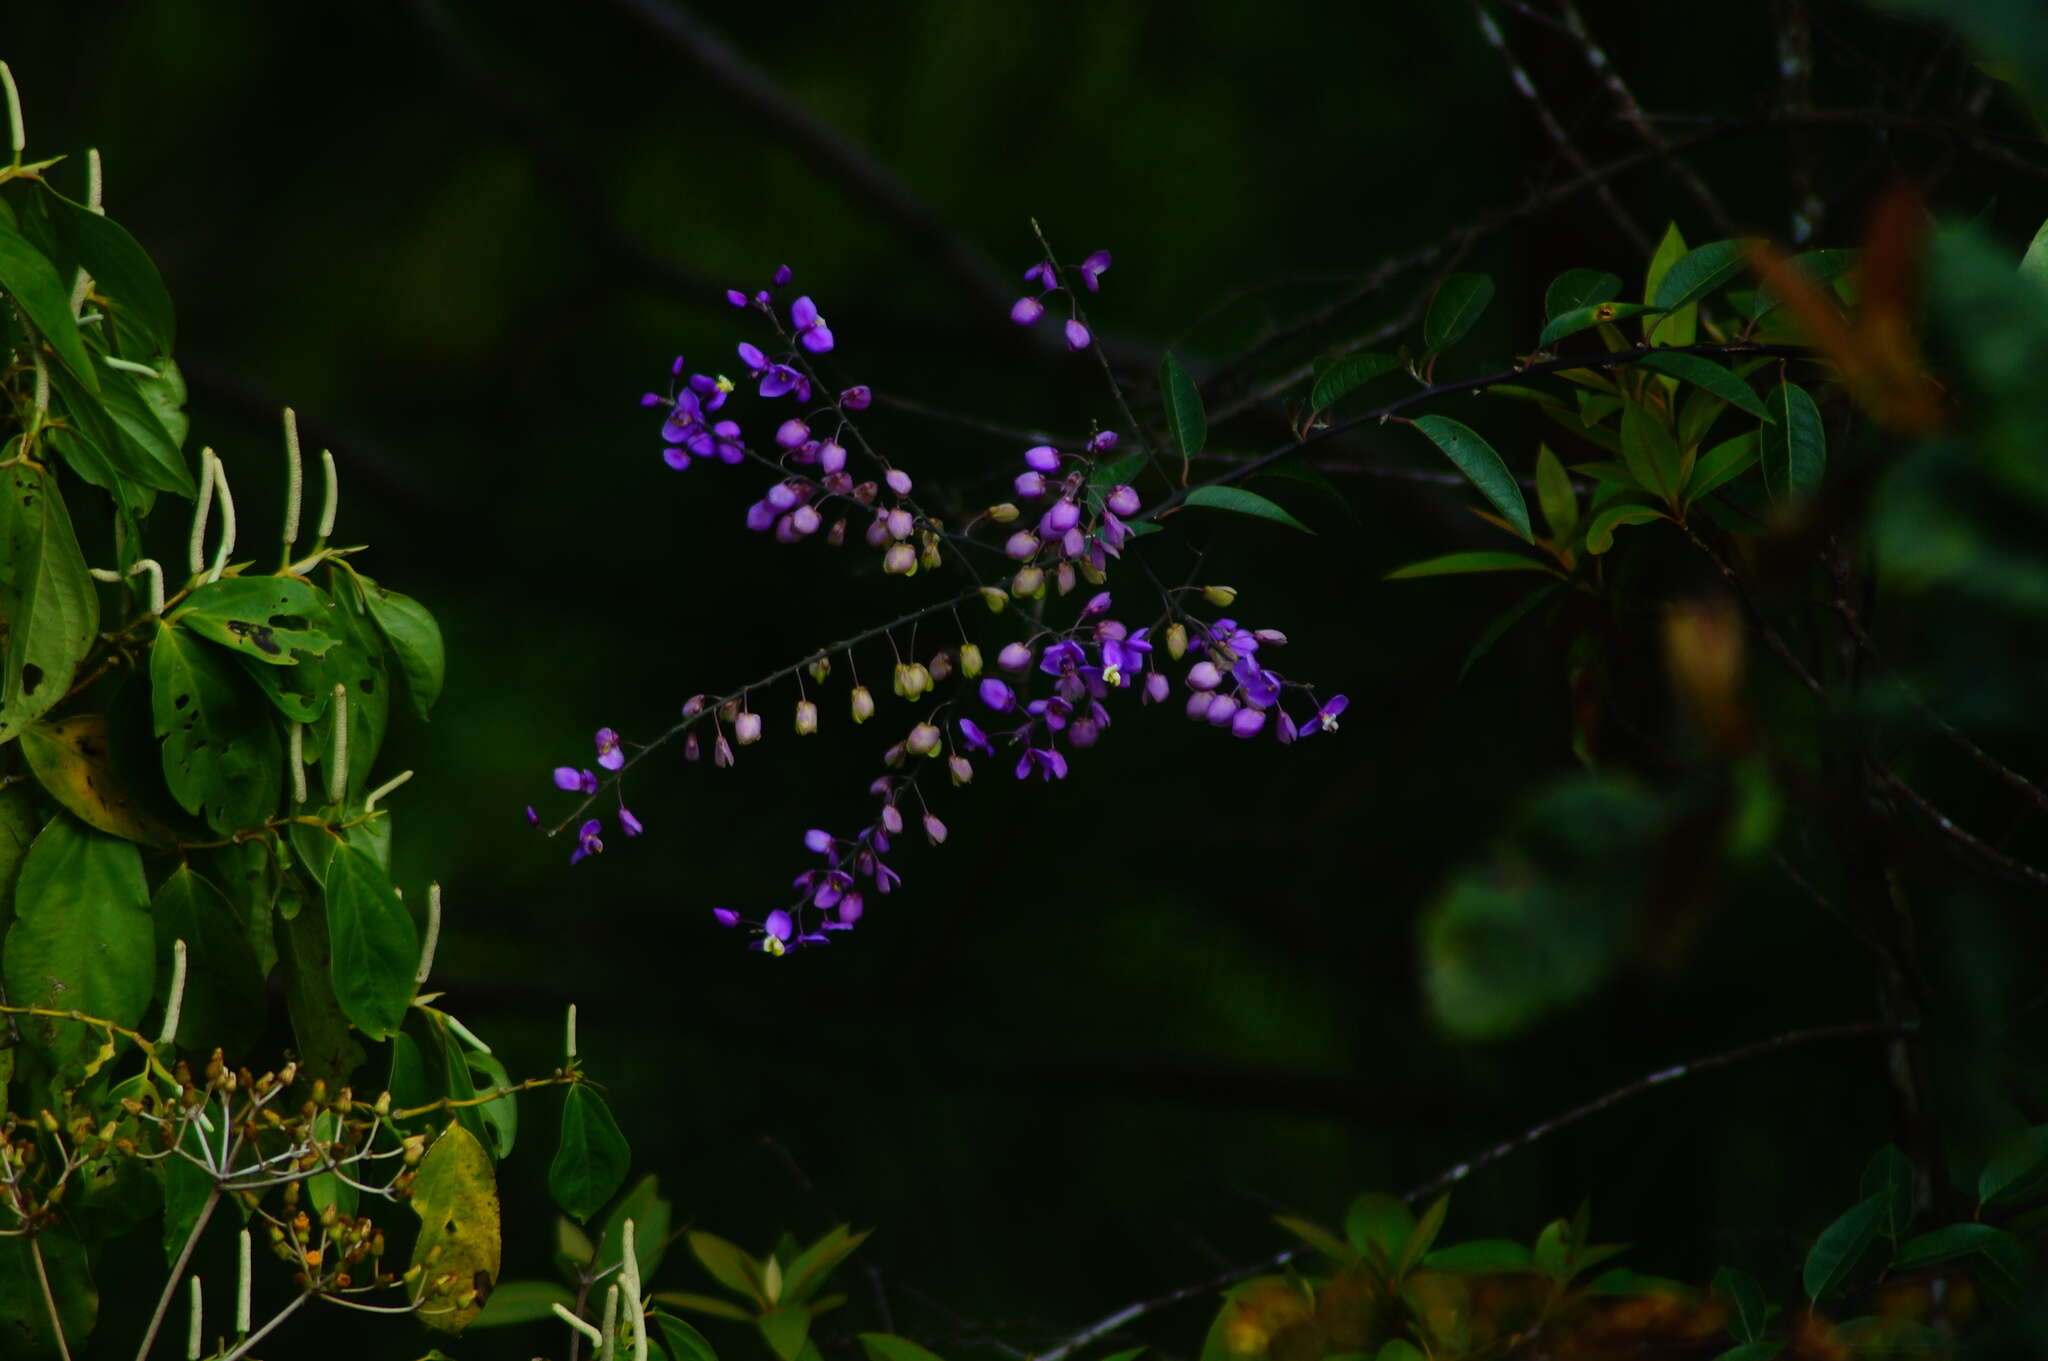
(1113, 1024)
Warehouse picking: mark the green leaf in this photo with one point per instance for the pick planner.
(121, 270)
(144, 450)
(1427, 1227)
(455, 1194)
(1555, 495)
(222, 757)
(1681, 328)
(1185, 419)
(46, 597)
(704, 1304)
(1457, 306)
(1794, 448)
(500, 1117)
(223, 1000)
(1957, 1240)
(1577, 288)
(2017, 1170)
(1819, 267)
(1502, 622)
(1452, 564)
(271, 619)
(1752, 1351)
(1840, 1246)
(73, 760)
(729, 1264)
(1586, 318)
(1704, 373)
(327, 1190)
(1348, 375)
(1401, 1349)
(1746, 1308)
(1727, 460)
(1482, 1256)
(320, 1031)
(889, 1347)
(25, 1332)
(651, 1214)
(516, 1302)
(1379, 1220)
(1553, 1250)
(82, 939)
(1622, 1281)
(375, 946)
(1242, 502)
(1889, 1176)
(786, 1330)
(1697, 273)
(592, 1159)
(1475, 458)
(1600, 532)
(684, 1343)
(1652, 456)
(1317, 1237)
(415, 640)
(29, 277)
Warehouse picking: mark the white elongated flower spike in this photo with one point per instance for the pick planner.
(337, 761)
(629, 1281)
(199, 512)
(562, 1312)
(227, 518)
(195, 1338)
(176, 999)
(569, 1042)
(294, 481)
(243, 1283)
(370, 800)
(433, 940)
(17, 135)
(297, 761)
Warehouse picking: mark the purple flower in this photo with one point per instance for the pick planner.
(898, 480)
(778, 930)
(1247, 722)
(857, 398)
(575, 781)
(726, 916)
(1025, 311)
(608, 754)
(737, 299)
(1093, 268)
(1042, 458)
(973, 736)
(791, 433)
(1122, 500)
(996, 695)
(1049, 764)
(1077, 334)
(1102, 441)
(1259, 686)
(587, 841)
(1062, 657)
(629, 824)
(1324, 719)
(1029, 486)
(532, 818)
(1043, 275)
(782, 275)
(811, 331)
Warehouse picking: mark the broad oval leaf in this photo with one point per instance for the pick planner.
(650, 1212)
(82, 939)
(224, 1006)
(684, 1343)
(1242, 502)
(121, 270)
(1455, 564)
(73, 763)
(46, 597)
(415, 640)
(1428, 1225)
(500, 1117)
(1947, 1244)
(1818, 267)
(271, 619)
(1349, 374)
(1459, 302)
(786, 1330)
(27, 276)
(25, 1331)
(1702, 372)
(1585, 318)
(373, 943)
(222, 757)
(1840, 1246)
(1600, 531)
(1475, 458)
(459, 1249)
(1576, 288)
(1185, 419)
(1890, 1176)
(1378, 1220)
(1794, 447)
(592, 1159)
(2017, 1171)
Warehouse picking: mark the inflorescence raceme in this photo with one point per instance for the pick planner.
(1050, 691)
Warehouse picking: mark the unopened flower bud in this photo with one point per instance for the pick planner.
(1203, 675)
(1077, 334)
(1025, 311)
(892, 819)
(791, 433)
(1123, 500)
(898, 480)
(1063, 577)
(877, 534)
(1247, 722)
(729, 711)
(941, 668)
(928, 556)
(819, 670)
(1219, 596)
(961, 769)
(1198, 704)
(857, 398)
(1014, 657)
(806, 718)
(693, 706)
(721, 752)
(1222, 710)
(1157, 687)
(691, 749)
(923, 740)
(865, 493)
(836, 535)
(805, 520)
(1062, 517)
(1090, 573)
(900, 524)
(831, 457)
(1022, 545)
(1003, 512)
(1029, 583)
(1029, 486)
(1042, 458)
(1176, 641)
(863, 704)
(970, 660)
(900, 560)
(934, 830)
(893, 757)
(995, 599)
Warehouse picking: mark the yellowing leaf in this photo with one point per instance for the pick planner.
(69, 758)
(456, 1197)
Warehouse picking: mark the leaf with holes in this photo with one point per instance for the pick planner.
(46, 597)
(222, 758)
(271, 619)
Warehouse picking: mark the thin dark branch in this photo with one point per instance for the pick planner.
(1726, 1059)
(2017, 871)
(723, 72)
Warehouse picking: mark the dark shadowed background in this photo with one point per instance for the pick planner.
(1115, 1022)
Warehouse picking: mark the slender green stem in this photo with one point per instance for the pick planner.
(242, 1348)
(163, 1303)
(35, 1250)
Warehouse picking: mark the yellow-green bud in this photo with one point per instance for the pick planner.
(994, 599)
(900, 560)
(820, 669)
(1030, 582)
(923, 740)
(1003, 513)
(921, 677)
(1219, 596)
(863, 704)
(929, 558)
(970, 660)
(806, 718)
(1176, 641)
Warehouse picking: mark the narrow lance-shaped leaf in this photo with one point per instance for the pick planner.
(1555, 495)
(1459, 302)
(1697, 273)
(1652, 456)
(1585, 318)
(1721, 464)
(1600, 530)
(1458, 564)
(1704, 373)
(1242, 502)
(1576, 288)
(1475, 458)
(1794, 448)
(1745, 1302)
(1841, 1245)
(1677, 328)
(1349, 374)
(1185, 418)
(1889, 1176)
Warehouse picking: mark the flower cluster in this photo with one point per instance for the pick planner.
(611, 756)
(1230, 686)
(1083, 523)
(1046, 276)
